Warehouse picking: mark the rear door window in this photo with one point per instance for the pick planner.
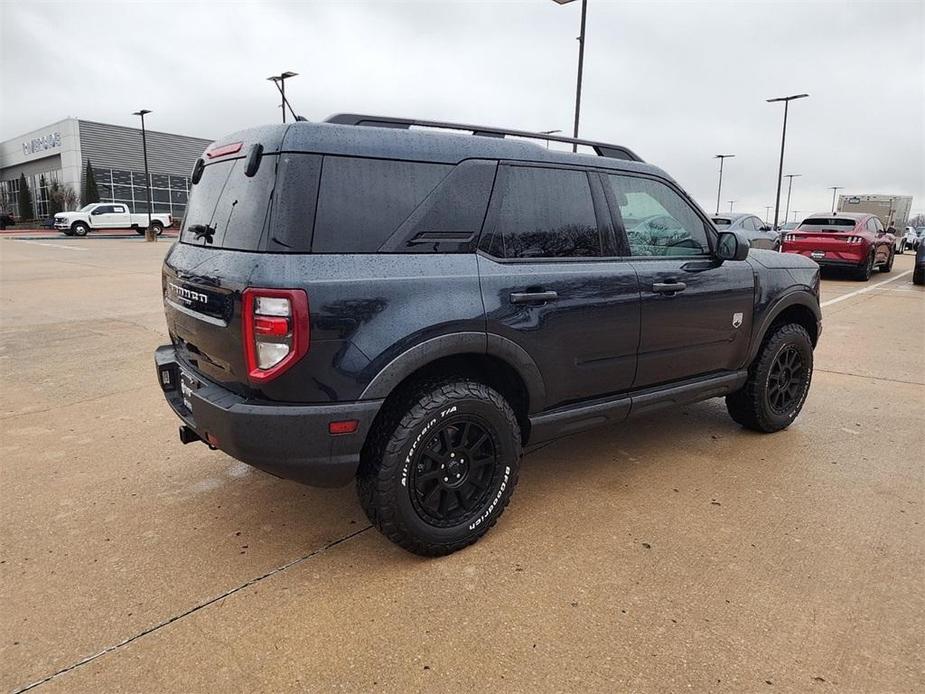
(546, 213)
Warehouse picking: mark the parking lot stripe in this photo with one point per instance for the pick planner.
(54, 245)
(866, 289)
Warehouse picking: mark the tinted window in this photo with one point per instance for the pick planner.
(226, 208)
(827, 224)
(546, 213)
(720, 222)
(102, 209)
(294, 207)
(361, 202)
(657, 220)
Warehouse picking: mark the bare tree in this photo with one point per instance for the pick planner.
(63, 197)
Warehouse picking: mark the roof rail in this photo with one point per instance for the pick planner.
(602, 149)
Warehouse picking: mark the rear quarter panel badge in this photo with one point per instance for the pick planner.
(736, 320)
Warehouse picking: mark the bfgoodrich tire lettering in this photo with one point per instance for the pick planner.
(438, 474)
(778, 381)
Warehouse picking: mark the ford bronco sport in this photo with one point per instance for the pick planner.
(392, 301)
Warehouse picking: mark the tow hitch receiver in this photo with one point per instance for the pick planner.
(187, 435)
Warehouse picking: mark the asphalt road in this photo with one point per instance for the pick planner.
(677, 552)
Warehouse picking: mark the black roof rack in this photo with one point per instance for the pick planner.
(602, 149)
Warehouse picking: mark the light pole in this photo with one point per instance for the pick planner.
(581, 62)
(767, 212)
(280, 81)
(834, 190)
(731, 203)
(789, 189)
(719, 190)
(783, 139)
(149, 232)
(549, 132)
(796, 214)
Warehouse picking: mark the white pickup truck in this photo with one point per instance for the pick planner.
(108, 215)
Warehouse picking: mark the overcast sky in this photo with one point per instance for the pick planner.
(677, 82)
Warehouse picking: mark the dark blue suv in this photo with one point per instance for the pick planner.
(410, 303)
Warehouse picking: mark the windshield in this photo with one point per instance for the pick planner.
(827, 224)
(720, 222)
(87, 208)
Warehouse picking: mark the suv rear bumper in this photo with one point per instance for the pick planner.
(289, 441)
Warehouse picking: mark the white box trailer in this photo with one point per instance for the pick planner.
(889, 208)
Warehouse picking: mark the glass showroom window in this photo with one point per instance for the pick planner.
(168, 193)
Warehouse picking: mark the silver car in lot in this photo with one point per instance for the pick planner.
(759, 233)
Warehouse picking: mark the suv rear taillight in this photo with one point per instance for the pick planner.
(276, 331)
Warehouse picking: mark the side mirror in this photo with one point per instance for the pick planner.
(731, 245)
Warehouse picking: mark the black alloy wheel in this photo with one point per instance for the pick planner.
(786, 380)
(452, 476)
(440, 465)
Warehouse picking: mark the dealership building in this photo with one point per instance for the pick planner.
(60, 152)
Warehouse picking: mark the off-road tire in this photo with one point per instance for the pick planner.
(157, 228)
(750, 406)
(398, 448)
(864, 271)
(80, 229)
(888, 265)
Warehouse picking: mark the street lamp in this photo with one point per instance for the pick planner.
(549, 132)
(280, 81)
(783, 139)
(796, 215)
(581, 62)
(834, 190)
(789, 188)
(767, 212)
(149, 232)
(731, 203)
(719, 190)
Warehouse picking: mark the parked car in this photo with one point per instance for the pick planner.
(6, 220)
(758, 233)
(855, 241)
(918, 270)
(787, 226)
(359, 299)
(108, 215)
(909, 239)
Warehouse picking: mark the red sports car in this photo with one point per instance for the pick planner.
(856, 241)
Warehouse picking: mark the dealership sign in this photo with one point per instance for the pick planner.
(39, 144)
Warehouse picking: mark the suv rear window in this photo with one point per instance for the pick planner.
(827, 223)
(227, 209)
(361, 202)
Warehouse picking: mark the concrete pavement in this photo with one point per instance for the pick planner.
(676, 552)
